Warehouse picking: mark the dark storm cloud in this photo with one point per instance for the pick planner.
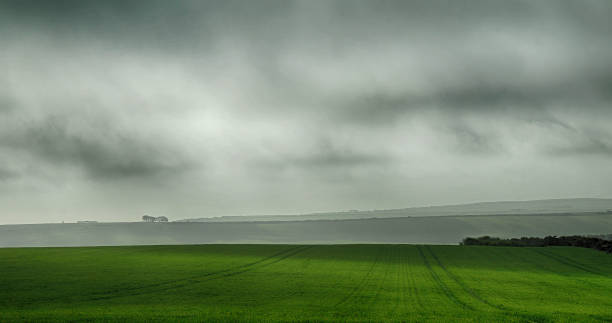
(6, 105)
(101, 152)
(324, 155)
(244, 106)
(584, 143)
(335, 158)
(6, 175)
(470, 141)
(592, 146)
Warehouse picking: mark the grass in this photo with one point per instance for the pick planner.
(305, 283)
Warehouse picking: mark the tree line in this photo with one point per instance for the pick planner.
(571, 241)
(147, 218)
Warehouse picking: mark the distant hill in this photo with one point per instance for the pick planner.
(420, 230)
(422, 225)
(552, 206)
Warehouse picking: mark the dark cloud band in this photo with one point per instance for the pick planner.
(249, 107)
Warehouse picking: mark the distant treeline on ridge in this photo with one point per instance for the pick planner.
(572, 241)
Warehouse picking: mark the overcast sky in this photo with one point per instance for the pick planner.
(114, 109)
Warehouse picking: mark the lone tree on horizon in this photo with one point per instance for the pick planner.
(147, 218)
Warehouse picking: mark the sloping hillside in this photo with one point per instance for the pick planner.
(579, 205)
(438, 230)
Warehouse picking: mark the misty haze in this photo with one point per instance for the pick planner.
(305, 160)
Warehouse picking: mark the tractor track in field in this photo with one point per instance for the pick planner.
(443, 287)
(168, 285)
(302, 267)
(381, 282)
(400, 295)
(537, 262)
(401, 281)
(565, 261)
(210, 273)
(569, 262)
(362, 283)
(367, 296)
(407, 293)
(413, 285)
(249, 268)
(461, 283)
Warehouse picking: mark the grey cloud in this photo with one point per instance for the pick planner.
(6, 106)
(259, 103)
(512, 101)
(102, 153)
(6, 174)
(592, 146)
(328, 155)
(337, 159)
(470, 141)
(584, 143)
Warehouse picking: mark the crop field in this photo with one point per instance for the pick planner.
(305, 283)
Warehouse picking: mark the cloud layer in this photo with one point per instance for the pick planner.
(113, 109)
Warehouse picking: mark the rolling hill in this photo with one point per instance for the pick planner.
(429, 230)
(552, 206)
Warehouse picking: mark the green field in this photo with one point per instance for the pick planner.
(305, 283)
